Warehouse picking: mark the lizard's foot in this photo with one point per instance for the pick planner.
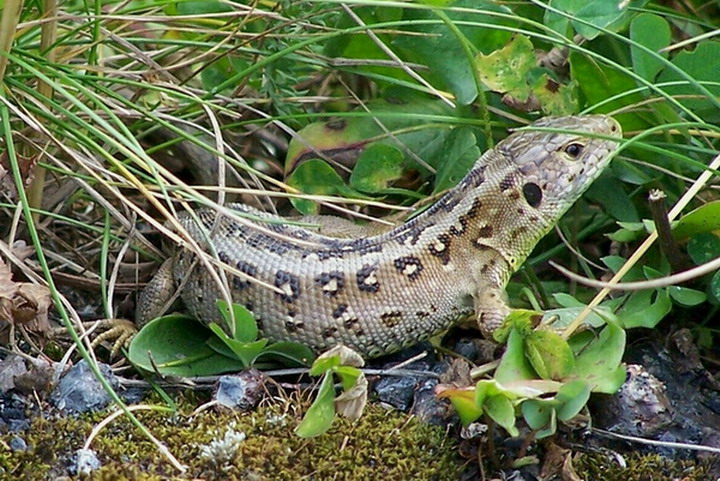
(119, 332)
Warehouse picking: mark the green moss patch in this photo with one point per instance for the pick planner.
(252, 446)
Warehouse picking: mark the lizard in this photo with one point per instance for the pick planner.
(380, 293)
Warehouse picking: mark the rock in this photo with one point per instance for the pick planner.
(18, 444)
(79, 392)
(242, 391)
(10, 368)
(83, 462)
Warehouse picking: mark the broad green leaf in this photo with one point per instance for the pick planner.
(540, 416)
(555, 98)
(538, 412)
(618, 205)
(549, 354)
(715, 287)
(324, 364)
(599, 364)
(701, 64)
(439, 47)
(316, 177)
(321, 413)
(459, 154)
(587, 15)
(506, 70)
(463, 400)
(703, 248)
(514, 366)
(686, 297)
(377, 167)
(348, 376)
(599, 82)
(651, 31)
(176, 346)
(572, 397)
(245, 351)
(501, 410)
(648, 316)
(289, 354)
(246, 329)
(348, 136)
(703, 220)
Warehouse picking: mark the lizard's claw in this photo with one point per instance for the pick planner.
(118, 331)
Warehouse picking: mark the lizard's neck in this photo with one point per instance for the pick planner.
(485, 211)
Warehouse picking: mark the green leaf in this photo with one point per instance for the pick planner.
(701, 64)
(572, 397)
(315, 177)
(550, 355)
(506, 70)
(289, 354)
(686, 297)
(538, 412)
(459, 154)
(599, 82)
(703, 248)
(599, 364)
(645, 316)
(702, 220)
(246, 329)
(324, 364)
(618, 205)
(321, 414)
(463, 400)
(610, 15)
(501, 410)
(348, 376)
(176, 346)
(377, 167)
(440, 48)
(715, 286)
(651, 31)
(246, 352)
(514, 366)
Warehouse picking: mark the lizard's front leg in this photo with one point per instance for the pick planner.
(491, 309)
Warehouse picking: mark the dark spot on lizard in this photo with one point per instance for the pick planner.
(507, 182)
(288, 284)
(392, 318)
(351, 324)
(329, 332)
(339, 311)
(331, 282)
(239, 283)
(441, 248)
(366, 279)
(533, 194)
(485, 231)
(292, 326)
(422, 314)
(409, 266)
(517, 232)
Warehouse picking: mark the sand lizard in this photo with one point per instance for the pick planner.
(380, 293)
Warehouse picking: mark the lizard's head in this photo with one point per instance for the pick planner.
(557, 164)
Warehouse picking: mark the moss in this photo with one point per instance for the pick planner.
(382, 445)
(639, 468)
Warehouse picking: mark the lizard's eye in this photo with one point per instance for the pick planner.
(574, 150)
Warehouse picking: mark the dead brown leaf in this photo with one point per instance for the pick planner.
(23, 304)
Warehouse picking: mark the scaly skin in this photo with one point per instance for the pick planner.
(380, 293)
